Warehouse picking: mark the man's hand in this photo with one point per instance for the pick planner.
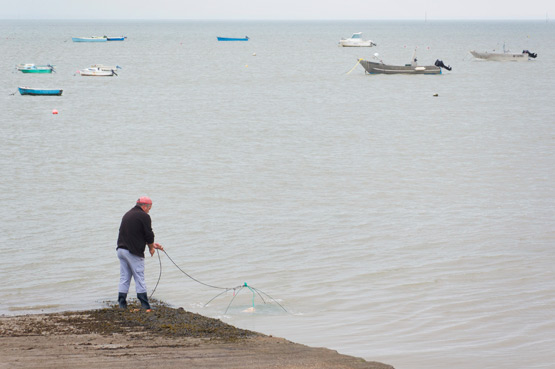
(153, 246)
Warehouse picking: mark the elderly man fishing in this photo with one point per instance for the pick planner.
(135, 233)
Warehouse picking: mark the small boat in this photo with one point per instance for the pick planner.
(106, 67)
(356, 41)
(380, 67)
(32, 68)
(39, 91)
(97, 72)
(89, 39)
(246, 38)
(120, 38)
(506, 55)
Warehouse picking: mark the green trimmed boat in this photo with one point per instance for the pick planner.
(32, 68)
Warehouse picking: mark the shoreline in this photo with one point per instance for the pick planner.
(166, 337)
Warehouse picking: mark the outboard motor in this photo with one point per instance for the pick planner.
(530, 54)
(440, 64)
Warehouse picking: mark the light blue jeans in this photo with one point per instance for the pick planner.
(131, 266)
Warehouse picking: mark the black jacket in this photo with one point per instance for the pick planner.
(135, 231)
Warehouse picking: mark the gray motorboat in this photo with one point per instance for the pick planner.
(379, 67)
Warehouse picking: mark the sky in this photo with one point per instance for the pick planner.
(278, 9)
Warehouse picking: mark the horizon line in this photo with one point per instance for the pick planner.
(290, 19)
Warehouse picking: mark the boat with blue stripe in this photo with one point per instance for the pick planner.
(89, 39)
(246, 38)
(39, 91)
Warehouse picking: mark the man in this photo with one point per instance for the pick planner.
(135, 232)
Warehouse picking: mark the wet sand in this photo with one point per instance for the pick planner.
(164, 338)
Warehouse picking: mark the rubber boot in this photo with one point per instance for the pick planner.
(143, 298)
(122, 299)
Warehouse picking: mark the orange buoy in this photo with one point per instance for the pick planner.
(54, 111)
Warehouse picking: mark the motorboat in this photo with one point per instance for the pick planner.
(97, 72)
(98, 39)
(379, 67)
(506, 55)
(356, 41)
(106, 67)
(32, 68)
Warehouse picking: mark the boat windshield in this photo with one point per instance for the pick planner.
(356, 35)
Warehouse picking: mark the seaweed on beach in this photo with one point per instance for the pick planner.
(134, 322)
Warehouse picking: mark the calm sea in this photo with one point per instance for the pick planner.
(391, 224)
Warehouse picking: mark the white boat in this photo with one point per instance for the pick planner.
(105, 67)
(506, 55)
(97, 72)
(24, 66)
(356, 41)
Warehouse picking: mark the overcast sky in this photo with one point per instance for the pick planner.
(277, 9)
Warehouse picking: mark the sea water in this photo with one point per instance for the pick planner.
(389, 223)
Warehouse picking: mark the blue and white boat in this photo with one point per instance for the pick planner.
(39, 91)
(89, 39)
(246, 38)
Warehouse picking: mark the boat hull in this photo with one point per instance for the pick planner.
(101, 73)
(232, 39)
(380, 68)
(348, 44)
(38, 70)
(500, 56)
(116, 38)
(39, 92)
(97, 71)
(89, 39)
(32, 68)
